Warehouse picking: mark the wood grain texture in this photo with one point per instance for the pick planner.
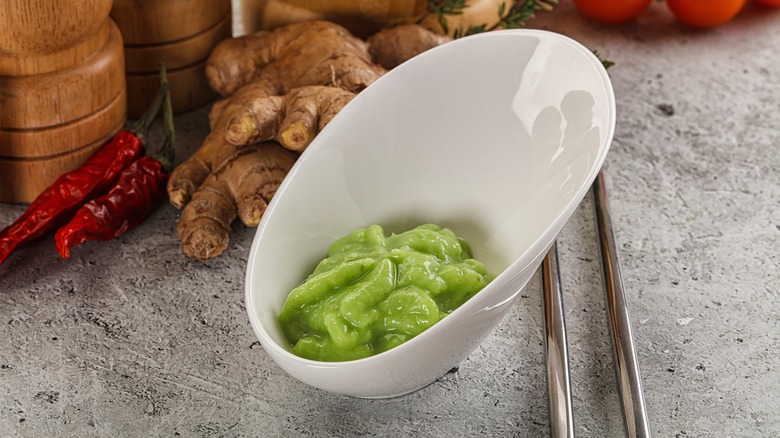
(163, 21)
(56, 140)
(21, 180)
(62, 96)
(180, 54)
(189, 89)
(46, 26)
(39, 63)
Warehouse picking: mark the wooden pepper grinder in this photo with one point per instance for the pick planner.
(62, 90)
(180, 33)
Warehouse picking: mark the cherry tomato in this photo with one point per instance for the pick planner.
(769, 2)
(704, 14)
(611, 11)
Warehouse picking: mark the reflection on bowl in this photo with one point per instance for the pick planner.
(496, 136)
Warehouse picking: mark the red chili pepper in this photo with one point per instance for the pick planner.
(139, 190)
(59, 201)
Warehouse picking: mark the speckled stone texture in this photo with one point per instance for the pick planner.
(129, 338)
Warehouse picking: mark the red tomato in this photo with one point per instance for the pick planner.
(704, 14)
(611, 11)
(769, 2)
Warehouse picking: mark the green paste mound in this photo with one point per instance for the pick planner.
(373, 293)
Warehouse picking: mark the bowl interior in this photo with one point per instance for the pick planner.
(495, 136)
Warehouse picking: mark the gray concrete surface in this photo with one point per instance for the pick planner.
(129, 338)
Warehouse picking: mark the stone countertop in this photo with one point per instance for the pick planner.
(129, 338)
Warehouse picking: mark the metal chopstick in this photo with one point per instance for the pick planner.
(556, 350)
(624, 347)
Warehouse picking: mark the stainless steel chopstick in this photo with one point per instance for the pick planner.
(556, 349)
(624, 347)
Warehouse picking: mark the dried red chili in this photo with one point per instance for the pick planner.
(139, 190)
(58, 202)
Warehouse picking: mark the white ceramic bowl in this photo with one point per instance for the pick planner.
(497, 136)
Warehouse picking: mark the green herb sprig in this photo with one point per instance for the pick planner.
(442, 8)
(516, 16)
(605, 62)
(521, 13)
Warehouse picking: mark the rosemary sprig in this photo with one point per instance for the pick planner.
(461, 32)
(442, 8)
(516, 16)
(605, 62)
(521, 12)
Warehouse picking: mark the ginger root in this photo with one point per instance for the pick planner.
(282, 87)
(306, 53)
(293, 119)
(390, 47)
(243, 186)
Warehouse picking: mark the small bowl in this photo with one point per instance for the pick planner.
(497, 136)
